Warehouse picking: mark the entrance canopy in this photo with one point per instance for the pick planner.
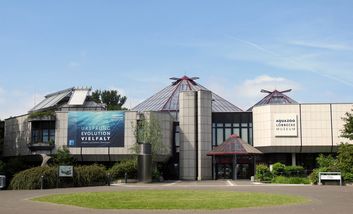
(234, 145)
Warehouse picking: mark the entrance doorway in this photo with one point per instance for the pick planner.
(224, 171)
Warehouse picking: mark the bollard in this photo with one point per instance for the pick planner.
(41, 182)
(126, 177)
(108, 179)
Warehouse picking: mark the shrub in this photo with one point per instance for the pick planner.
(291, 171)
(347, 177)
(120, 168)
(30, 178)
(63, 157)
(314, 176)
(290, 180)
(278, 169)
(263, 173)
(326, 161)
(89, 175)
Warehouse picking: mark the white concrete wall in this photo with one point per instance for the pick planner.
(204, 123)
(314, 135)
(17, 136)
(187, 124)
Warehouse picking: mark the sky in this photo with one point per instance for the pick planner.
(235, 47)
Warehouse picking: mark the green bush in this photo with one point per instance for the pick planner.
(314, 176)
(89, 175)
(63, 157)
(326, 161)
(278, 169)
(293, 171)
(263, 173)
(30, 178)
(290, 180)
(120, 168)
(347, 177)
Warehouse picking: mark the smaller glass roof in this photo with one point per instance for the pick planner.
(275, 97)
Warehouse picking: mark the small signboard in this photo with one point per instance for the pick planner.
(285, 125)
(66, 171)
(330, 176)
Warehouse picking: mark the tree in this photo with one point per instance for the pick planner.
(111, 98)
(63, 157)
(347, 131)
(149, 131)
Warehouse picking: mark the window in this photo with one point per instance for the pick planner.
(236, 131)
(220, 136)
(244, 134)
(228, 132)
(43, 131)
(250, 136)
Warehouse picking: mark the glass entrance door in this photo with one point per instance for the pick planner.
(224, 171)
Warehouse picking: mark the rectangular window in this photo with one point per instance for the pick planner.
(220, 137)
(236, 131)
(214, 137)
(52, 134)
(228, 132)
(45, 135)
(219, 124)
(244, 134)
(250, 136)
(43, 132)
(177, 139)
(244, 125)
(228, 125)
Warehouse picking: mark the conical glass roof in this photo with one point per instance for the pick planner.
(168, 98)
(274, 97)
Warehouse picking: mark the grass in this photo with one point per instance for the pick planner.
(171, 199)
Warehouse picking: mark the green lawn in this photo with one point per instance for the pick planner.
(171, 199)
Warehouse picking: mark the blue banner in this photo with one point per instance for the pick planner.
(96, 129)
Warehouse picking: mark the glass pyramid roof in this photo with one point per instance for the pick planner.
(168, 98)
(275, 97)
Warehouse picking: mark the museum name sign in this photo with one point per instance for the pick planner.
(286, 125)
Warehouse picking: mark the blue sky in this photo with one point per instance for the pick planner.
(235, 47)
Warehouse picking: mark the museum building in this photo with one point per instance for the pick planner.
(206, 136)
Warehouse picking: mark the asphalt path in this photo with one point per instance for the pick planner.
(323, 199)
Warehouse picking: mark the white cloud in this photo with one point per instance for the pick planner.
(251, 88)
(322, 45)
(14, 103)
(330, 63)
(247, 93)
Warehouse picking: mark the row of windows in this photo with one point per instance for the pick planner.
(43, 132)
(221, 131)
(43, 135)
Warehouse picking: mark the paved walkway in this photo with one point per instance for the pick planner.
(325, 199)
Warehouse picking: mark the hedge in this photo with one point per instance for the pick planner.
(83, 176)
(89, 175)
(290, 180)
(30, 178)
(120, 168)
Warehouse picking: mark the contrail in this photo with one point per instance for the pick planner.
(293, 61)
